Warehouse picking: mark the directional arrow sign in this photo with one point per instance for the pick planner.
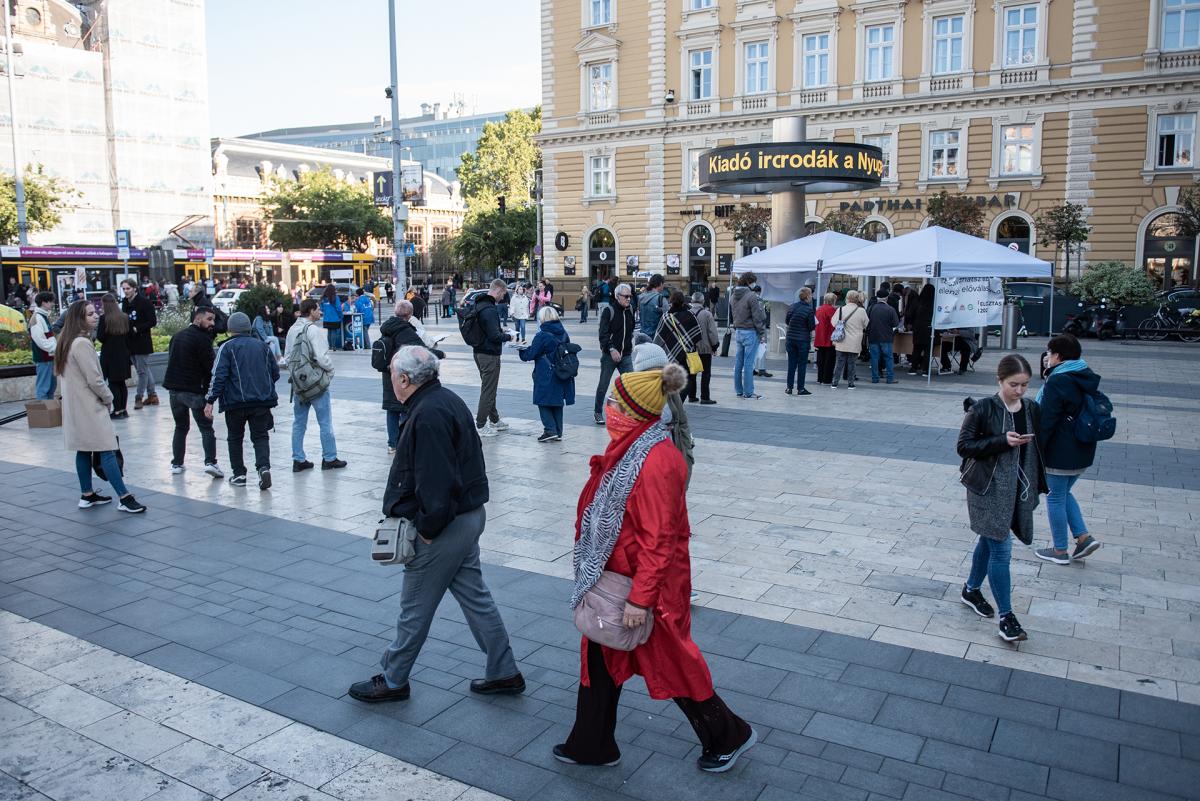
(381, 183)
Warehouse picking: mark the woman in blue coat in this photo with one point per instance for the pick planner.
(550, 393)
(331, 316)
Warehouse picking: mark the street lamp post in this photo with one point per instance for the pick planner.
(18, 172)
(398, 215)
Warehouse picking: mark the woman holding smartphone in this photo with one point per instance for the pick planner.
(1003, 472)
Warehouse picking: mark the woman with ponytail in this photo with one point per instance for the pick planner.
(632, 521)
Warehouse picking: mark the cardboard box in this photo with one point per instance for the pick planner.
(44, 413)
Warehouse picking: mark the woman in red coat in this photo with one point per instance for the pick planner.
(632, 520)
(826, 355)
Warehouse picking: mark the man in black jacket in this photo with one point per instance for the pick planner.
(394, 334)
(438, 482)
(616, 343)
(190, 359)
(881, 330)
(487, 358)
(141, 321)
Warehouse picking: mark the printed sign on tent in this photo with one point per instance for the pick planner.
(968, 302)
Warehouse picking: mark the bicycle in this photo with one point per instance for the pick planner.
(1166, 321)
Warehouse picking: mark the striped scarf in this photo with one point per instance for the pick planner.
(603, 517)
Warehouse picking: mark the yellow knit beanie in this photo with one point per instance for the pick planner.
(643, 395)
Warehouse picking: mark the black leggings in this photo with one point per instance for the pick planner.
(120, 394)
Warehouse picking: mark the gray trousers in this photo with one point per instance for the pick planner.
(450, 562)
(145, 385)
(489, 382)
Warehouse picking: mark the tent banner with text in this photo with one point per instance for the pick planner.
(968, 302)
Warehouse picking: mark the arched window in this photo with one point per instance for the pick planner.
(874, 231)
(602, 238)
(700, 257)
(700, 235)
(602, 254)
(812, 227)
(1168, 252)
(1014, 230)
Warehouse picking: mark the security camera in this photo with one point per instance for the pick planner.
(387, 92)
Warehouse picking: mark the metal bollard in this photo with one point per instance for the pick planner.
(1008, 335)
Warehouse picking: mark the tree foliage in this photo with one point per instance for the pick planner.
(844, 221)
(504, 162)
(1117, 281)
(254, 299)
(490, 240)
(46, 198)
(749, 223)
(443, 257)
(1063, 225)
(1189, 210)
(320, 212)
(956, 213)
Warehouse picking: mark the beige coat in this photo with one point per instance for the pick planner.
(855, 319)
(85, 401)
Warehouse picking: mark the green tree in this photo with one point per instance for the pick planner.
(1116, 281)
(956, 213)
(320, 212)
(504, 162)
(1189, 210)
(46, 198)
(443, 257)
(844, 221)
(1063, 226)
(490, 240)
(252, 301)
(749, 223)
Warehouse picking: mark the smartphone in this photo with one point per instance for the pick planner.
(1026, 437)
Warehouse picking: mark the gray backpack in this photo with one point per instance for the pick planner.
(308, 378)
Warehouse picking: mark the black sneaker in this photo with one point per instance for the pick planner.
(130, 504)
(719, 763)
(707, 402)
(599, 418)
(804, 392)
(765, 374)
(333, 464)
(1010, 629)
(238, 481)
(850, 385)
(299, 467)
(978, 604)
(264, 479)
(93, 499)
(376, 690)
(1085, 547)
(513, 685)
(560, 753)
(546, 437)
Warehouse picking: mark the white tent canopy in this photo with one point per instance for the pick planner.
(958, 255)
(783, 269)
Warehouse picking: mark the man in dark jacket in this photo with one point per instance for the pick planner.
(1066, 457)
(243, 379)
(141, 322)
(487, 358)
(189, 368)
(395, 334)
(882, 322)
(438, 482)
(616, 343)
(801, 322)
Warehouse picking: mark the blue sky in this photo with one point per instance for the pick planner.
(279, 63)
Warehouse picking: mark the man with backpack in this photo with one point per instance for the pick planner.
(311, 372)
(396, 333)
(616, 343)
(1075, 415)
(479, 323)
(651, 304)
(42, 344)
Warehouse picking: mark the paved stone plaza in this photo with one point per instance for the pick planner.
(205, 647)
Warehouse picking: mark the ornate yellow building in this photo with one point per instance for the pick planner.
(1021, 104)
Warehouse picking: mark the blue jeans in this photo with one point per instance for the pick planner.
(324, 409)
(881, 350)
(797, 353)
(520, 329)
(108, 460)
(334, 337)
(45, 381)
(991, 558)
(393, 428)
(552, 419)
(583, 313)
(1062, 510)
(743, 364)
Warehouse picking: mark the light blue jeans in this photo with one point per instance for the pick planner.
(45, 381)
(108, 461)
(878, 351)
(991, 559)
(324, 409)
(743, 364)
(1062, 510)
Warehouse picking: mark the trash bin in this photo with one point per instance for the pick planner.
(1008, 336)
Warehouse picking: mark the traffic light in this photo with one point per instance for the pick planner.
(501, 202)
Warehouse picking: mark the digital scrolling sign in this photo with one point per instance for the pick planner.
(787, 166)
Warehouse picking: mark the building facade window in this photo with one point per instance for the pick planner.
(601, 12)
(600, 176)
(440, 234)
(816, 60)
(697, 5)
(943, 154)
(1176, 141)
(701, 65)
(947, 45)
(1016, 150)
(884, 142)
(757, 61)
(1181, 25)
(600, 86)
(881, 49)
(1020, 35)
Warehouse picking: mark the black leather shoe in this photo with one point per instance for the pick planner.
(332, 464)
(376, 690)
(298, 467)
(510, 686)
(560, 753)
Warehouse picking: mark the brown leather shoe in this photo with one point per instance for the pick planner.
(151, 399)
(137, 402)
(510, 686)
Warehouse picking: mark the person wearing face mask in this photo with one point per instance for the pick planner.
(1003, 472)
(632, 521)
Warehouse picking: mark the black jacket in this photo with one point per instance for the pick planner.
(141, 320)
(190, 361)
(882, 323)
(438, 472)
(801, 321)
(489, 318)
(114, 353)
(981, 439)
(399, 333)
(1062, 398)
(616, 329)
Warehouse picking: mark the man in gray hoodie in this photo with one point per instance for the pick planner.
(749, 323)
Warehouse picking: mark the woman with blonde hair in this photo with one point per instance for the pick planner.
(86, 400)
(112, 333)
(853, 318)
(551, 391)
(632, 533)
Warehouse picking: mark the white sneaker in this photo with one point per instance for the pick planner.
(176, 469)
(213, 471)
(500, 425)
(488, 430)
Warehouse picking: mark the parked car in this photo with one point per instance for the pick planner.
(1034, 299)
(226, 300)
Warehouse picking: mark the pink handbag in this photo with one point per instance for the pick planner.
(598, 616)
